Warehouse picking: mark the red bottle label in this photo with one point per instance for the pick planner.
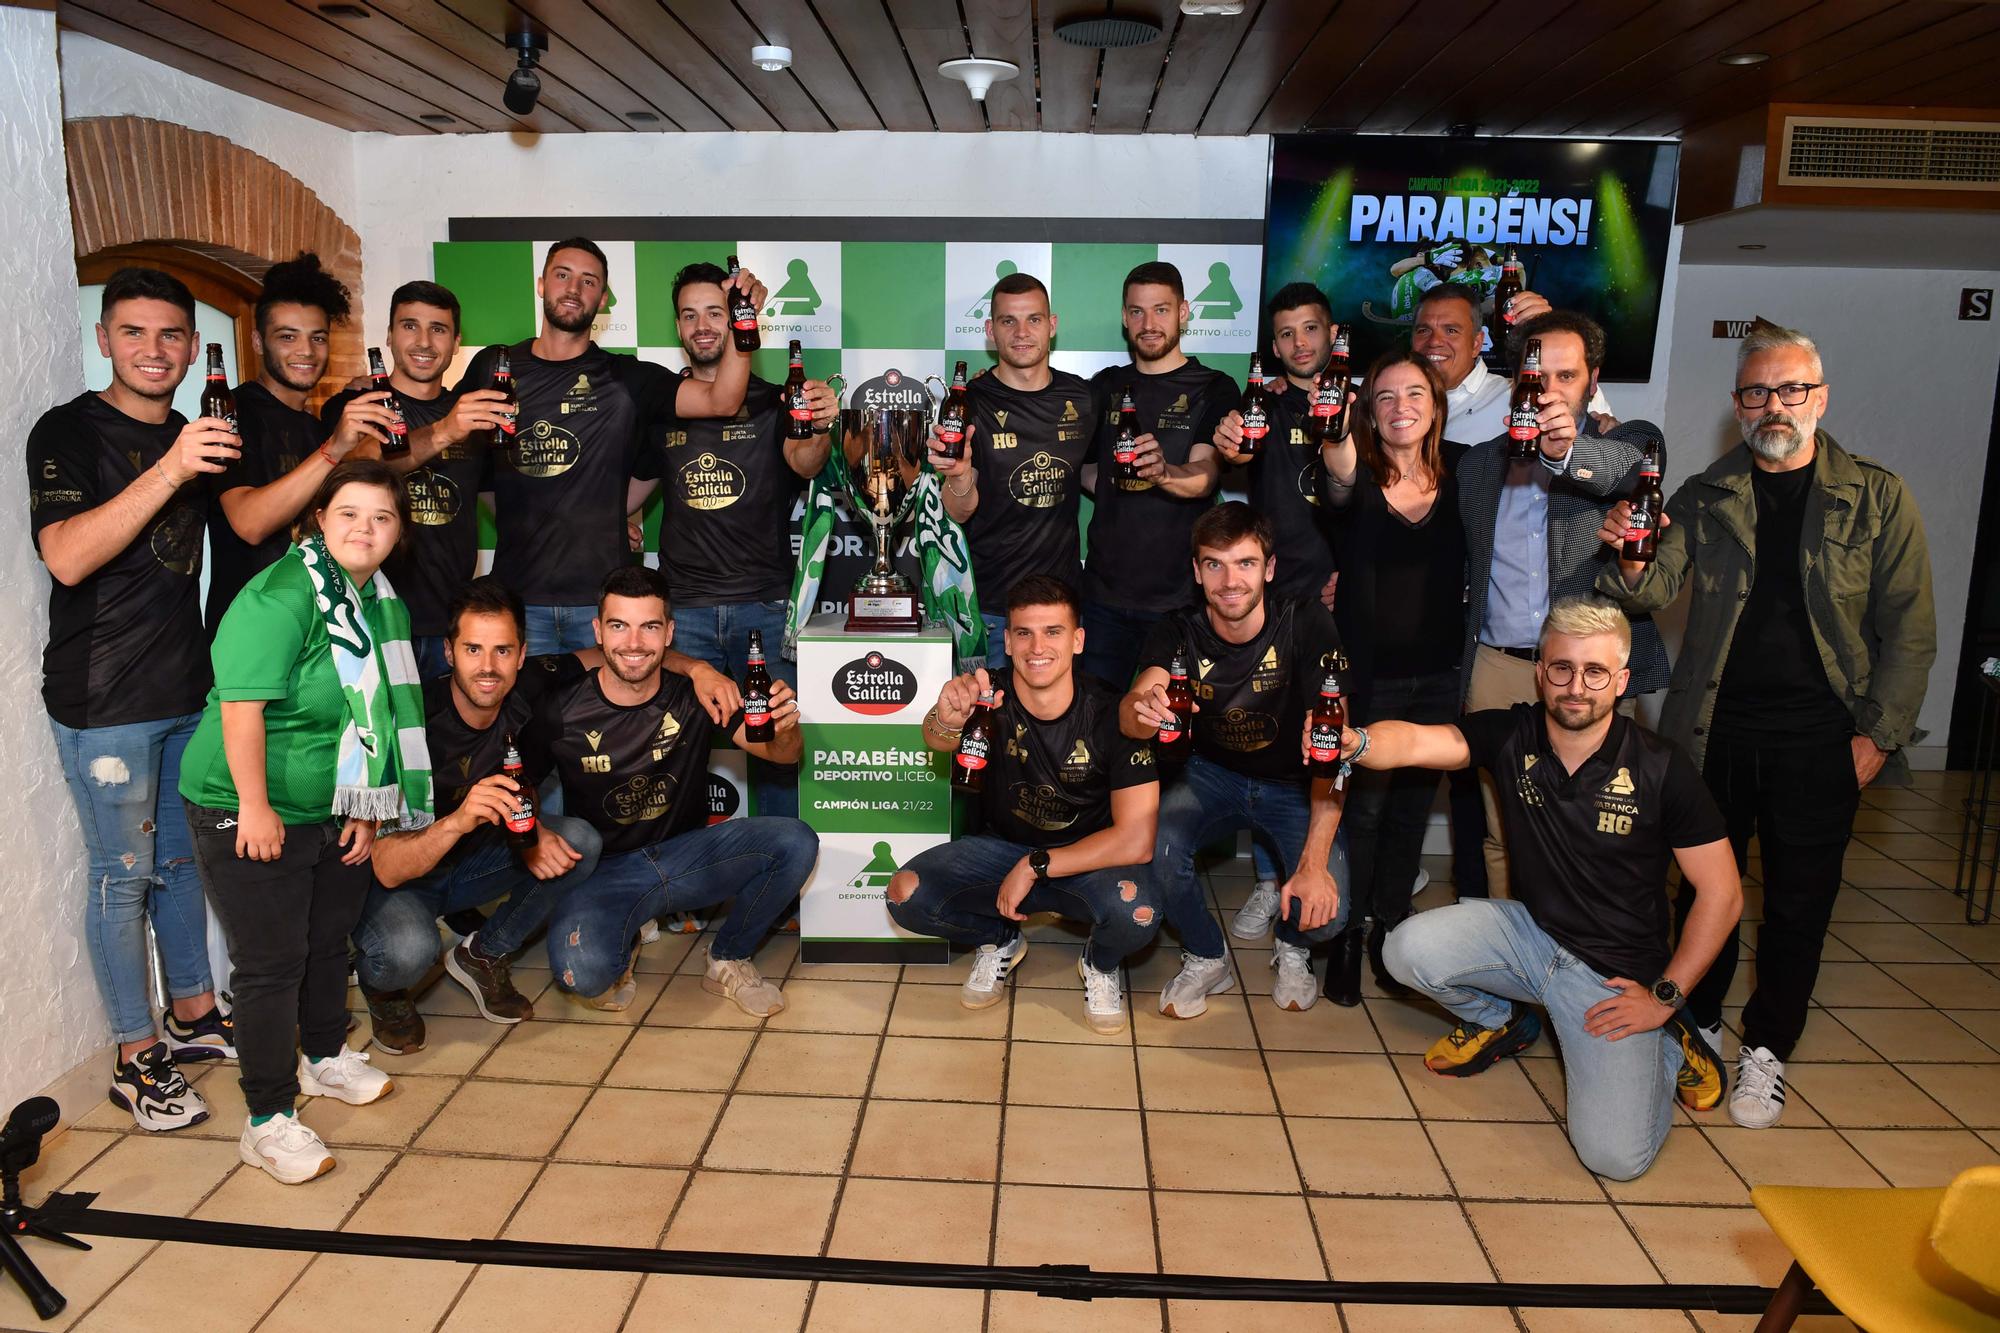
(972, 754)
(1256, 426)
(1325, 743)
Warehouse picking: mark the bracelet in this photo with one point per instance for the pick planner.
(961, 494)
(1348, 762)
(935, 721)
(331, 461)
(161, 467)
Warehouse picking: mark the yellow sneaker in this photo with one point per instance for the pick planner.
(1701, 1082)
(1469, 1049)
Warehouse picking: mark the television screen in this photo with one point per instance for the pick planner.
(1376, 220)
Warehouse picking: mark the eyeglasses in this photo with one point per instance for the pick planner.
(1754, 396)
(1562, 673)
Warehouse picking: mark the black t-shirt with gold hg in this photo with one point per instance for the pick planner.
(1049, 783)
(275, 440)
(1029, 451)
(726, 535)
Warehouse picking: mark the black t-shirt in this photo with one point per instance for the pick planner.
(1253, 696)
(637, 775)
(463, 756)
(1050, 783)
(559, 490)
(276, 439)
(1774, 689)
(728, 491)
(125, 644)
(1028, 451)
(1139, 558)
(1283, 485)
(1589, 850)
(443, 547)
(1420, 589)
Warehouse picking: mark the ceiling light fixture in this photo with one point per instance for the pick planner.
(771, 59)
(1751, 246)
(642, 117)
(1212, 8)
(344, 11)
(524, 86)
(1110, 31)
(1743, 58)
(437, 118)
(978, 74)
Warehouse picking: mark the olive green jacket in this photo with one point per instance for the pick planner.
(1867, 574)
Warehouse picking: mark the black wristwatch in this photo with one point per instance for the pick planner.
(1668, 992)
(1038, 861)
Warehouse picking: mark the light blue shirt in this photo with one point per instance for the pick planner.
(1517, 590)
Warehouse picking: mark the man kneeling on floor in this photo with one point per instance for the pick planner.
(1070, 810)
(630, 743)
(1593, 805)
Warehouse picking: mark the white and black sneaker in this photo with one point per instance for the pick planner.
(150, 1086)
(1758, 1098)
(986, 984)
(210, 1037)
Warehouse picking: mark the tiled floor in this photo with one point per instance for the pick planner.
(875, 1118)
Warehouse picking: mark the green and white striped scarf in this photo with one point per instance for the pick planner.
(384, 771)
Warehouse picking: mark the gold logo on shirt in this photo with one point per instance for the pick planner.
(579, 389)
(1203, 666)
(1079, 756)
(1621, 783)
(1001, 418)
(663, 740)
(1527, 762)
(1180, 404)
(1015, 748)
(1270, 662)
(593, 737)
(465, 765)
(1069, 410)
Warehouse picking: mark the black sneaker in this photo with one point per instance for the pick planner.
(152, 1089)
(489, 983)
(210, 1037)
(399, 1028)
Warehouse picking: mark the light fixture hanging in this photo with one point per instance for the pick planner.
(978, 74)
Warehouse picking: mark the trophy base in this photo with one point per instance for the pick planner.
(883, 613)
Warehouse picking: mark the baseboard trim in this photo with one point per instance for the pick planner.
(82, 1090)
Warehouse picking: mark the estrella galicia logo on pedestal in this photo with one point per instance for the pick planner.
(723, 799)
(874, 684)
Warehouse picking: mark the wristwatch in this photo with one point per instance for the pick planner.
(1038, 861)
(1668, 992)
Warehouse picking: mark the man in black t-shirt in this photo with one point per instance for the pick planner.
(1594, 808)
(286, 451)
(1139, 527)
(1071, 807)
(1255, 664)
(116, 507)
(630, 745)
(588, 424)
(1019, 484)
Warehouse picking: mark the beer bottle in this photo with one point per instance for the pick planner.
(1329, 401)
(742, 314)
(1642, 529)
(1524, 426)
(521, 822)
(1329, 718)
(398, 442)
(1125, 447)
(952, 416)
(1510, 286)
(510, 411)
(757, 724)
(1255, 410)
(801, 427)
(975, 744)
(216, 399)
(1171, 746)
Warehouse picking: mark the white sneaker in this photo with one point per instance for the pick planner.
(150, 1086)
(1103, 1004)
(1421, 882)
(1758, 1098)
(347, 1076)
(1253, 920)
(1296, 988)
(738, 979)
(1713, 1036)
(1186, 996)
(987, 985)
(285, 1147)
(649, 933)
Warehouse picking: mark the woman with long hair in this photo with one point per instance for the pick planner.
(313, 737)
(1400, 605)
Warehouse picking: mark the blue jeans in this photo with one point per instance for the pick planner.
(1209, 801)
(126, 781)
(429, 649)
(560, 629)
(720, 636)
(1112, 638)
(396, 939)
(957, 892)
(762, 862)
(1478, 958)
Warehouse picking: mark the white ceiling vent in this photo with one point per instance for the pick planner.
(1890, 154)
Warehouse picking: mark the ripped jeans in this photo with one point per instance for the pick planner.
(957, 898)
(125, 781)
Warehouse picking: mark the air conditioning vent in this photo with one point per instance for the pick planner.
(1890, 154)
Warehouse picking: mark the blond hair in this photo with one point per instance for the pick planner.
(1584, 618)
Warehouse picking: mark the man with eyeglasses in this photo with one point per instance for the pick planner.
(1810, 637)
(1594, 807)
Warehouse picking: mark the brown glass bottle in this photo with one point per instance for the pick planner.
(1255, 410)
(1510, 286)
(742, 314)
(975, 747)
(952, 416)
(800, 426)
(1642, 529)
(521, 822)
(398, 442)
(1524, 425)
(216, 399)
(1328, 419)
(757, 723)
(1125, 445)
(510, 410)
(1329, 719)
(1176, 738)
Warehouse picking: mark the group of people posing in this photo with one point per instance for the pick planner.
(357, 738)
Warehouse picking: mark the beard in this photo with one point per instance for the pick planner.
(275, 367)
(1776, 435)
(712, 356)
(578, 323)
(638, 675)
(1243, 612)
(1167, 347)
(1595, 708)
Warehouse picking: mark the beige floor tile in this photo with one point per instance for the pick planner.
(684, 1004)
(1560, 1242)
(1915, 1036)
(754, 1213)
(1183, 1079)
(1876, 874)
(1924, 904)
(390, 1123)
(370, 1293)
(637, 1127)
(1858, 985)
(1152, 968)
(834, 1006)
(1921, 1158)
(1521, 1161)
(509, 1119)
(1252, 1317)
(1604, 1321)
(1057, 1015)
(1226, 1024)
(1826, 1039)
(1502, 1092)
(452, 1046)
(940, 1069)
(1981, 1023)
(935, 1221)
(1249, 1153)
(1047, 966)
(1272, 1236)
(1723, 1246)
(665, 954)
(1385, 1157)
(1337, 1084)
(1025, 1312)
(1788, 1156)
(681, 1059)
(1970, 1092)
(808, 1135)
(1046, 1145)
(1949, 985)
(1869, 820)
(64, 1154)
(1324, 1027)
(1110, 1230)
(1866, 1096)
(1688, 1170)
(934, 1011)
(1408, 1026)
(1979, 943)
(1424, 1319)
(576, 1302)
(1907, 847)
(555, 1053)
(847, 1307)
(816, 1063)
(1398, 1240)
(672, 1303)
(157, 1173)
(928, 1140)
(1887, 943)
(479, 1194)
(1050, 1073)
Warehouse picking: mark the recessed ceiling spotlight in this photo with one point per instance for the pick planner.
(642, 117)
(1744, 58)
(1751, 246)
(344, 11)
(771, 59)
(437, 118)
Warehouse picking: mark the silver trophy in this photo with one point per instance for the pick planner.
(879, 444)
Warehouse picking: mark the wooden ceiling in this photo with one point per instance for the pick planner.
(1378, 66)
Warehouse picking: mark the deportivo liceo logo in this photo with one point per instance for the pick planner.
(874, 684)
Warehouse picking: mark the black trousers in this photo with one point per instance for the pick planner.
(1800, 802)
(1388, 810)
(287, 923)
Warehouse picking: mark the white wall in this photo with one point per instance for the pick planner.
(1912, 387)
(48, 998)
